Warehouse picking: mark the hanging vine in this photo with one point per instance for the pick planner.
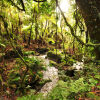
(73, 33)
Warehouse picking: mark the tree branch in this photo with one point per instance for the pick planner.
(72, 30)
(21, 58)
(39, 1)
(22, 9)
(22, 4)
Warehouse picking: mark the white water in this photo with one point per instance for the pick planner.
(78, 65)
(51, 73)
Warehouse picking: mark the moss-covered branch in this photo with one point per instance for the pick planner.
(21, 58)
(72, 31)
(23, 7)
(39, 0)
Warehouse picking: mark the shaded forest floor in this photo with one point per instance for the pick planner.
(8, 63)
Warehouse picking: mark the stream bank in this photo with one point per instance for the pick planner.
(51, 73)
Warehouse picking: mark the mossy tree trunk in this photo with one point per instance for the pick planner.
(90, 10)
(0, 29)
(36, 28)
(29, 39)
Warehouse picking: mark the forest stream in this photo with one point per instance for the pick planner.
(51, 73)
(49, 49)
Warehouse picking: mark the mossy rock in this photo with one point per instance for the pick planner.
(29, 53)
(53, 63)
(41, 50)
(62, 64)
(57, 58)
(13, 53)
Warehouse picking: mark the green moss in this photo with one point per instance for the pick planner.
(29, 53)
(53, 63)
(41, 50)
(57, 58)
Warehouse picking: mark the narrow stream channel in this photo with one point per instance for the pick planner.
(51, 73)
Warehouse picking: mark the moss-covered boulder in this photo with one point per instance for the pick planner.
(41, 50)
(57, 58)
(27, 53)
(53, 63)
(13, 54)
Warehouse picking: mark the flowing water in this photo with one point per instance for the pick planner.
(51, 73)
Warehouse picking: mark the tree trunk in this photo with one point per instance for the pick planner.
(0, 29)
(90, 10)
(36, 28)
(24, 38)
(29, 39)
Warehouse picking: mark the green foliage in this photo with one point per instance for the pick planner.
(90, 51)
(26, 28)
(70, 61)
(46, 8)
(32, 77)
(93, 96)
(53, 63)
(14, 78)
(79, 86)
(18, 24)
(51, 40)
(52, 55)
(1, 80)
(64, 90)
(2, 45)
(32, 97)
(34, 63)
(60, 58)
(27, 53)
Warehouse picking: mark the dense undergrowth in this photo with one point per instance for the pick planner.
(31, 28)
(19, 78)
(25, 82)
(85, 84)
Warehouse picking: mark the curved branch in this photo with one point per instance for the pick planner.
(21, 58)
(70, 27)
(5, 26)
(22, 4)
(72, 31)
(39, 1)
(22, 9)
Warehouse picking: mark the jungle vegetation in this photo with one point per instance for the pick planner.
(66, 31)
